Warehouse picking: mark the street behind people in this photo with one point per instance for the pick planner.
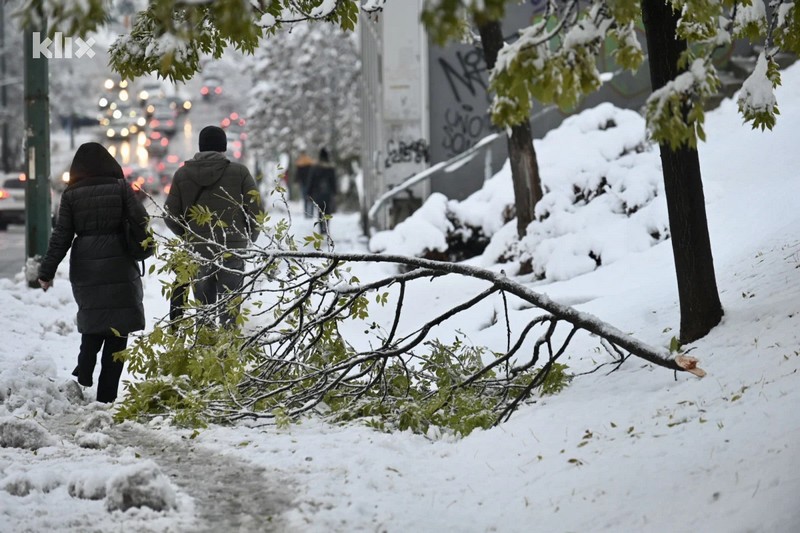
(105, 279)
(229, 192)
(322, 188)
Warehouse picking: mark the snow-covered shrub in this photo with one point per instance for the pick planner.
(447, 229)
(424, 231)
(603, 198)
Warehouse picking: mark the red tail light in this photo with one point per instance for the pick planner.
(204, 91)
(4, 194)
(218, 90)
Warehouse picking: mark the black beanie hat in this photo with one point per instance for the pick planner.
(93, 160)
(213, 139)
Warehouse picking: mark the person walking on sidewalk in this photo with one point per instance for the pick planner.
(105, 280)
(301, 168)
(229, 192)
(322, 188)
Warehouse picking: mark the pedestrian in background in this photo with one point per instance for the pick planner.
(105, 280)
(322, 188)
(301, 167)
(229, 192)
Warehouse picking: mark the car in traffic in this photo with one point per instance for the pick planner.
(163, 121)
(180, 104)
(150, 91)
(156, 144)
(121, 121)
(166, 170)
(211, 87)
(142, 180)
(235, 150)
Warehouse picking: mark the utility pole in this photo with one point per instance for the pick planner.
(37, 155)
(3, 94)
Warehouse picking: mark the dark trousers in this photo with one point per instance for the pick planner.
(110, 370)
(177, 302)
(214, 282)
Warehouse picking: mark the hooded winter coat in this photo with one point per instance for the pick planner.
(105, 280)
(227, 189)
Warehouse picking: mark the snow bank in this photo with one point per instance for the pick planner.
(140, 485)
(23, 433)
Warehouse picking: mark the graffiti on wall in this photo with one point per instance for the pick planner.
(466, 75)
(398, 152)
(463, 127)
(465, 119)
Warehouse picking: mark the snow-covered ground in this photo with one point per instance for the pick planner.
(639, 449)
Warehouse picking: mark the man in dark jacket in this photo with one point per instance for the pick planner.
(322, 188)
(105, 279)
(230, 193)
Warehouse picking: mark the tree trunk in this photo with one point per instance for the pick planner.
(700, 307)
(524, 167)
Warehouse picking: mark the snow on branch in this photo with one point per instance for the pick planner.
(294, 350)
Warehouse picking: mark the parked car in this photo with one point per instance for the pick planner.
(12, 200)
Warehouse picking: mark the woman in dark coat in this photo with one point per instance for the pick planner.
(105, 280)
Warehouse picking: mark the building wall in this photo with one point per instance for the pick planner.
(395, 107)
(447, 112)
(370, 38)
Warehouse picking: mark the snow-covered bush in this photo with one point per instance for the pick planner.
(603, 198)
